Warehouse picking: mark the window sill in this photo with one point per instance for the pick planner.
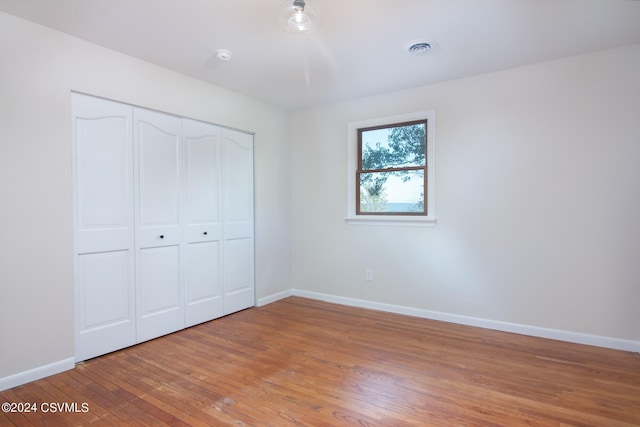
(391, 220)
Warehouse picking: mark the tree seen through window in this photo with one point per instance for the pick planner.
(392, 171)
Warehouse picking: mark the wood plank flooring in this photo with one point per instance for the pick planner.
(299, 362)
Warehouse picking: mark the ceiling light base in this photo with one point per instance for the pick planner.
(223, 54)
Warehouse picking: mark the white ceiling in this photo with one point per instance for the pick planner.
(358, 49)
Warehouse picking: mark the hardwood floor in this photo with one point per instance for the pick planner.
(303, 362)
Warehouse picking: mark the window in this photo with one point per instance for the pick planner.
(392, 164)
(391, 170)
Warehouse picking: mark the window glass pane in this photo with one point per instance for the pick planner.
(387, 192)
(393, 147)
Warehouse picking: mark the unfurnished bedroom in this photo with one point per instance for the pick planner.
(320, 213)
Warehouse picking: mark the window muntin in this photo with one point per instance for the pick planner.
(391, 175)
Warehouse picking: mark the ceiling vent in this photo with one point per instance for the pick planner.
(418, 47)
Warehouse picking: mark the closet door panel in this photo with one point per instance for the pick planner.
(105, 305)
(160, 309)
(104, 192)
(103, 279)
(238, 221)
(103, 226)
(238, 275)
(202, 146)
(102, 174)
(204, 290)
(159, 284)
(158, 146)
(238, 178)
(203, 200)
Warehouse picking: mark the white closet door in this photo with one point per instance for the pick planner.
(203, 229)
(238, 265)
(103, 226)
(159, 296)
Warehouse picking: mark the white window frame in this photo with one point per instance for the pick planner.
(428, 220)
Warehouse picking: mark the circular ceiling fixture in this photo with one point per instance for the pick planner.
(296, 17)
(418, 46)
(223, 54)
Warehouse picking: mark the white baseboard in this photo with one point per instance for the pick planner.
(274, 297)
(36, 373)
(574, 337)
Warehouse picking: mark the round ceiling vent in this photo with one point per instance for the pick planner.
(418, 46)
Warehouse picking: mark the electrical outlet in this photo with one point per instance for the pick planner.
(368, 275)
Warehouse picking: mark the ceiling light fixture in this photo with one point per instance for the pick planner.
(297, 17)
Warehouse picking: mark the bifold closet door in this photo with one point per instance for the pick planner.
(158, 232)
(203, 228)
(103, 226)
(163, 223)
(238, 267)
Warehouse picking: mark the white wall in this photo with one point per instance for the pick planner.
(38, 69)
(537, 192)
(538, 198)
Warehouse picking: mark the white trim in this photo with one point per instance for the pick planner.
(36, 373)
(535, 331)
(390, 220)
(274, 297)
(575, 337)
(352, 160)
